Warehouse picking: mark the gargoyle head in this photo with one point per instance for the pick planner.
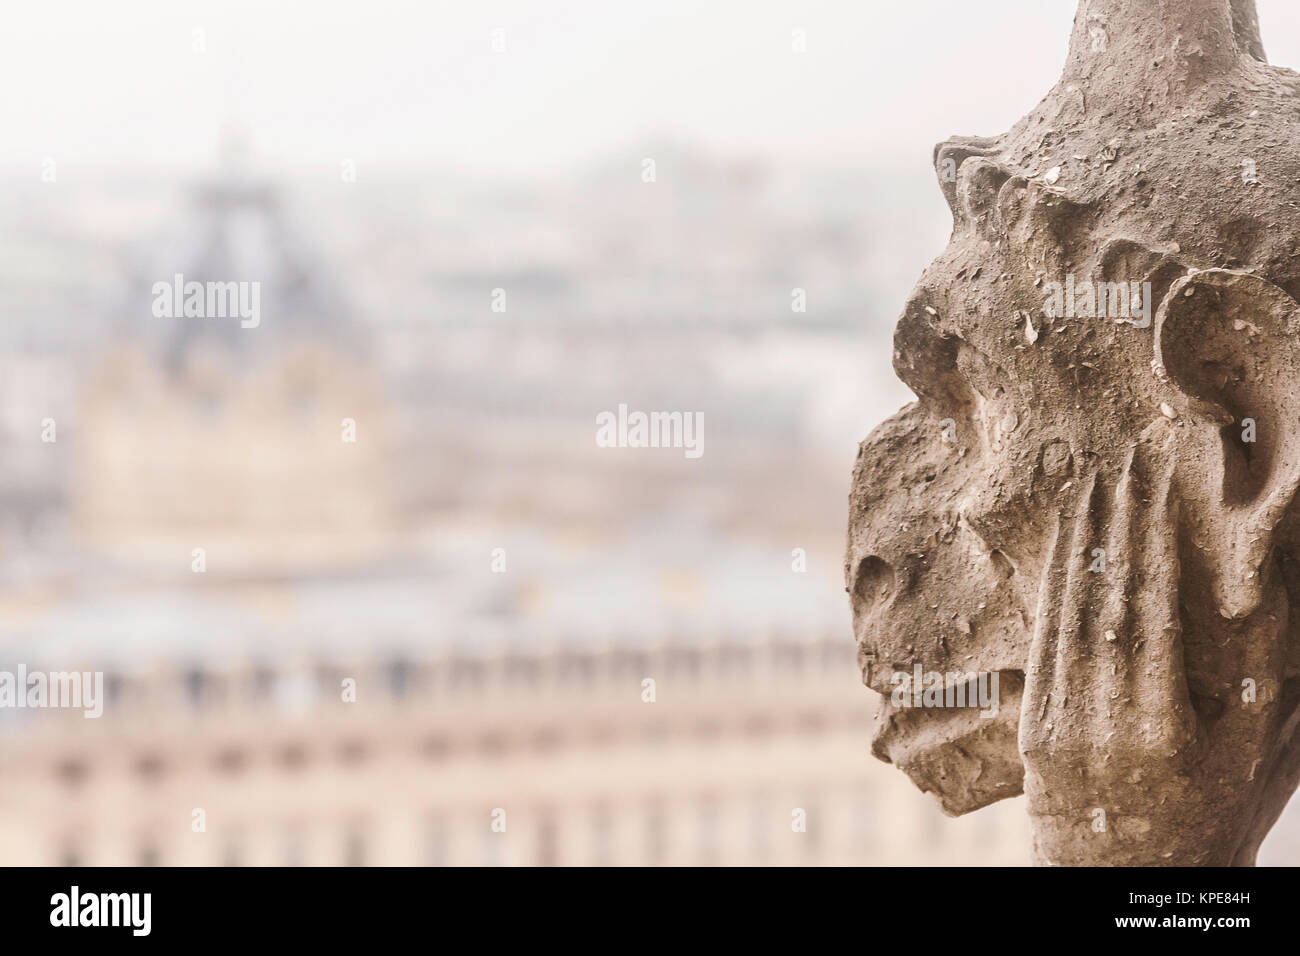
(1106, 359)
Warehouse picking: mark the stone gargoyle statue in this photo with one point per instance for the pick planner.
(1093, 498)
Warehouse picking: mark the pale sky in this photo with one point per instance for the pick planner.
(391, 83)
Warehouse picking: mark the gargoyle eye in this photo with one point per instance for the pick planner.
(948, 159)
(978, 186)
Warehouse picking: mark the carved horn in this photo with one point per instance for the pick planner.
(1191, 40)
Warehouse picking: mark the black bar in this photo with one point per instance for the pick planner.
(462, 907)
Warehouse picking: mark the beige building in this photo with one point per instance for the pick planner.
(276, 467)
(748, 754)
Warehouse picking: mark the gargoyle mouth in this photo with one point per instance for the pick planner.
(967, 760)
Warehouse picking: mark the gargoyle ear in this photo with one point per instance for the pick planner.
(1230, 342)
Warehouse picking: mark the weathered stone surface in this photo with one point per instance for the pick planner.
(1102, 509)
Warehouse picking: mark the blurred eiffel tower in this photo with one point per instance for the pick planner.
(237, 226)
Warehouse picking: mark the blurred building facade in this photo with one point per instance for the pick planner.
(735, 754)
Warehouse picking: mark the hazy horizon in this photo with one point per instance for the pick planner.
(579, 81)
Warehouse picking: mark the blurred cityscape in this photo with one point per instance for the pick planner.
(471, 636)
